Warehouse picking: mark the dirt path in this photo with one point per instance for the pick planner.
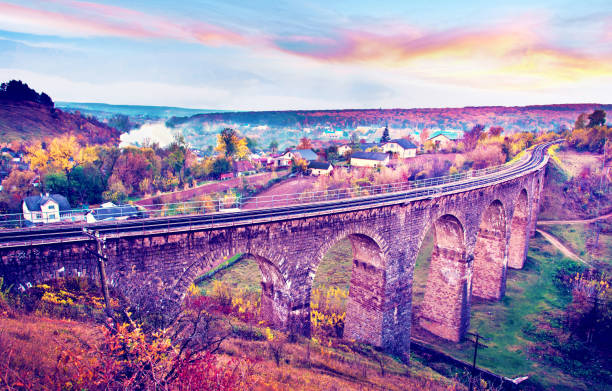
(292, 187)
(552, 222)
(557, 243)
(183, 195)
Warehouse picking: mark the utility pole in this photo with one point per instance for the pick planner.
(477, 337)
(601, 189)
(101, 246)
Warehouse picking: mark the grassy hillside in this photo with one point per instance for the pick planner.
(104, 110)
(32, 346)
(32, 121)
(534, 301)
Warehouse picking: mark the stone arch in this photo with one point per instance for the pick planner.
(517, 247)
(535, 202)
(275, 300)
(446, 308)
(490, 260)
(365, 307)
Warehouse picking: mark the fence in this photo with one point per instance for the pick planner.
(232, 203)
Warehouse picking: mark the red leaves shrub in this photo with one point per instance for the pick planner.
(128, 359)
(486, 155)
(208, 374)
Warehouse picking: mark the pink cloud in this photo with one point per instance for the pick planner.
(512, 49)
(352, 45)
(83, 18)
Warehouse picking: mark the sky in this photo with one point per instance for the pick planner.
(338, 54)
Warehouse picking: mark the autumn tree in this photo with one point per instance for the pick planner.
(231, 145)
(15, 187)
(581, 121)
(424, 136)
(597, 118)
(299, 165)
(220, 166)
(134, 165)
(177, 157)
(496, 131)
(305, 143)
(470, 138)
(62, 154)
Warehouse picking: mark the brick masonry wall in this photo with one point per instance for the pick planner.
(385, 240)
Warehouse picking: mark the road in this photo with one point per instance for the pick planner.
(312, 207)
(557, 243)
(586, 221)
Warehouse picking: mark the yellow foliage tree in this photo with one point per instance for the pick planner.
(37, 157)
(230, 145)
(62, 154)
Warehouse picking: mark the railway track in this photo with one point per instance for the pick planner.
(72, 233)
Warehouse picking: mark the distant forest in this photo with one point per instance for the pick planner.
(17, 91)
(512, 119)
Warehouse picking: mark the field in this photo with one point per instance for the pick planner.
(532, 299)
(574, 162)
(581, 239)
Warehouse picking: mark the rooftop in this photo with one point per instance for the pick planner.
(319, 165)
(378, 156)
(34, 203)
(449, 134)
(406, 144)
(306, 154)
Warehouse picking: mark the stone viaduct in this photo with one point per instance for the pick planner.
(478, 234)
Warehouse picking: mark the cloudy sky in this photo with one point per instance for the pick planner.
(318, 54)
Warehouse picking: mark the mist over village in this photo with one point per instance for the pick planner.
(295, 195)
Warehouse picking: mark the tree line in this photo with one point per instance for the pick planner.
(17, 91)
(90, 174)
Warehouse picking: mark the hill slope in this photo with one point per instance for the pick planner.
(32, 121)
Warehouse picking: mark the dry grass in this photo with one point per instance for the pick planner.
(30, 345)
(574, 162)
(332, 368)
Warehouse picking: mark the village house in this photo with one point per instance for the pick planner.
(369, 159)
(320, 168)
(344, 149)
(45, 208)
(243, 167)
(444, 139)
(403, 148)
(287, 157)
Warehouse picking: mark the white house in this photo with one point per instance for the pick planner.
(403, 148)
(369, 159)
(320, 168)
(287, 157)
(344, 149)
(444, 139)
(45, 208)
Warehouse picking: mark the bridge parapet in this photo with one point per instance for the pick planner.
(386, 233)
